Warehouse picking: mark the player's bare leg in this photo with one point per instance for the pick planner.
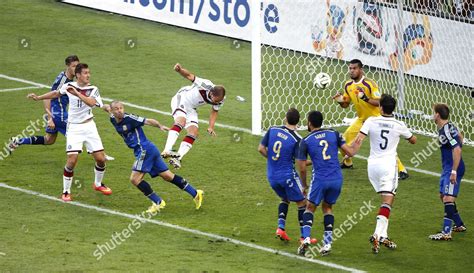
(50, 139)
(181, 183)
(47, 139)
(99, 172)
(136, 178)
(328, 227)
(380, 235)
(68, 175)
(173, 135)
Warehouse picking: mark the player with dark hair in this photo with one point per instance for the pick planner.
(56, 110)
(81, 128)
(279, 146)
(183, 109)
(364, 94)
(384, 132)
(450, 140)
(148, 158)
(321, 145)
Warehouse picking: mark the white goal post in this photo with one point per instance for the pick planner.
(418, 51)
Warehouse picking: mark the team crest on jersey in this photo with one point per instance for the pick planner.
(124, 128)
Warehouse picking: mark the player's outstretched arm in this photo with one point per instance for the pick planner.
(107, 108)
(90, 101)
(212, 122)
(155, 123)
(47, 96)
(355, 147)
(263, 150)
(184, 72)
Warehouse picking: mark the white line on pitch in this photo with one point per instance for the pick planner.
(24, 81)
(217, 124)
(185, 229)
(20, 88)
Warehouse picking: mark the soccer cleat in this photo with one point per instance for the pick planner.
(375, 243)
(313, 241)
(103, 189)
(13, 144)
(109, 158)
(325, 250)
(387, 242)
(155, 208)
(403, 175)
(175, 162)
(281, 233)
(198, 198)
(344, 166)
(172, 154)
(66, 197)
(440, 236)
(461, 228)
(304, 246)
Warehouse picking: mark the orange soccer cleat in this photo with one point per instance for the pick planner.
(103, 189)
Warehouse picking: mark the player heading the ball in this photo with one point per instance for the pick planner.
(184, 110)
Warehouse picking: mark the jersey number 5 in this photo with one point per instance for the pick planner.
(325, 149)
(383, 135)
(276, 150)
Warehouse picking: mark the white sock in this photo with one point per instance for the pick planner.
(385, 230)
(184, 149)
(172, 137)
(381, 225)
(67, 181)
(99, 175)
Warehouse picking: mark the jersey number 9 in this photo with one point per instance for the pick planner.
(276, 150)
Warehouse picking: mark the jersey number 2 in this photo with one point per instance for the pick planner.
(383, 135)
(325, 149)
(276, 150)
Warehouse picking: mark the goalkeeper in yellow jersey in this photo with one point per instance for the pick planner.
(364, 94)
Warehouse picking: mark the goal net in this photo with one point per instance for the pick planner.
(420, 52)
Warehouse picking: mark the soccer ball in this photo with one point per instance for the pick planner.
(322, 80)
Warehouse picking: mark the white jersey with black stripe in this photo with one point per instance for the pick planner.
(79, 111)
(197, 94)
(384, 133)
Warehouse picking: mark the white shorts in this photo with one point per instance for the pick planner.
(180, 109)
(383, 175)
(83, 133)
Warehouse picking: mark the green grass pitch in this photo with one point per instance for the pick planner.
(37, 234)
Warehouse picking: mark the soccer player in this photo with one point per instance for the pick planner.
(279, 146)
(326, 182)
(364, 94)
(450, 140)
(56, 110)
(183, 107)
(81, 128)
(148, 158)
(384, 132)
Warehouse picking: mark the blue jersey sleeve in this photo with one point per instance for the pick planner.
(451, 134)
(57, 82)
(265, 139)
(302, 152)
(340, 139)
(135, 121)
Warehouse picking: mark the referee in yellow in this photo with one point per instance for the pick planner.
(364, 94)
